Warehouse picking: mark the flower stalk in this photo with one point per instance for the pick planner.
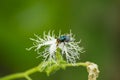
(48, 70)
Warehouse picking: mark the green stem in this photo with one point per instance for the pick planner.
(21, 75)
(76, 64)
(13, 76)
(27, 73)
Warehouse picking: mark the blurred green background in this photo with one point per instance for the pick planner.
(95, 22)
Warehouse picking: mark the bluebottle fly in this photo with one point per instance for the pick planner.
(63, 39)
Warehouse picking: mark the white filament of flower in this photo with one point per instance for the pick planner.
(70, 49)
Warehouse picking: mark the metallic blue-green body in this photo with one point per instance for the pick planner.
(64, 38)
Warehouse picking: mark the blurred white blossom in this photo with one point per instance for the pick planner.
(47, 45)
(93, 71)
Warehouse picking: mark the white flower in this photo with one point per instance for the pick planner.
(69, 48)
(93, 71)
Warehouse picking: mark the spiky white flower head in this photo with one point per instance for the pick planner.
(69, 48)
(93, 71)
